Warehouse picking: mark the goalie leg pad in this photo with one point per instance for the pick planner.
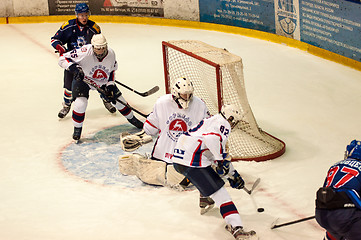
(128, 163)
(151, 171)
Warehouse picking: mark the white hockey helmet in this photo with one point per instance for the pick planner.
(232, 114)
(182, 91)
(100, 45)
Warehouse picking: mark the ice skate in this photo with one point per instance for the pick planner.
(206, 204)
(109, 106)
(64, 111)
(77, 133)
(239, 234)
(135, 122)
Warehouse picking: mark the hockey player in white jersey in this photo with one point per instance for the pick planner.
(194, 154)
(96, 64)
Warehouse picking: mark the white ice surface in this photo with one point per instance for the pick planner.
(310, 103)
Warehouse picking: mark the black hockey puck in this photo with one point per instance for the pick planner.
(260, 210)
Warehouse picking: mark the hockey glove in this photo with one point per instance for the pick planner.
(236, 181)
(112, 93)
(223, 167)
(60, 49)
(77, 71)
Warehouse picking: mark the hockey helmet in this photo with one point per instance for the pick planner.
(353, 150)
(182, 91)
(81, 8)
(100, 45)
(232, 114)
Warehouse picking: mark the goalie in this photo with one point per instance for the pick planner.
(172, 115)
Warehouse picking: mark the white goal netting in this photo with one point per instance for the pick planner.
(217, 76)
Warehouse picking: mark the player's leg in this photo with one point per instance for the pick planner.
(108, 105)
(80, 96)
(68, 78)
(128, 113)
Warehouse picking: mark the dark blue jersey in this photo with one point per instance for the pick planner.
(74, 35)
(346, 176)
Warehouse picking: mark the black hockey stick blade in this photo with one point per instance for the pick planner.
(255, 184)
(118, 100)
(143, 94)
(292, 222)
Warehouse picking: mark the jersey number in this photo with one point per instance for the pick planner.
(348, 174)
(224, 130)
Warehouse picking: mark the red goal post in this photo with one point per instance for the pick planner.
(217, 76)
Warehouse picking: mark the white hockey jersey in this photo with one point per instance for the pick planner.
(169, 122)
(203, 144)
(98, 72)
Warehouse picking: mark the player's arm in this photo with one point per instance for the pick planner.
(60, 38)
(151, 125)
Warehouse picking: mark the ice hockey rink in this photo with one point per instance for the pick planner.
(312, 104)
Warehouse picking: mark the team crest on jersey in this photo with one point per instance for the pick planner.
(178, 124)
(81, 41)
(99, 73)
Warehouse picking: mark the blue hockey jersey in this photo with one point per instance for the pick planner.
(345, 176)
(74, 35)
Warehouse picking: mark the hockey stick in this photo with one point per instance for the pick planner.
(143, 94)
(255, 184)
(118, 100)
(292, 222)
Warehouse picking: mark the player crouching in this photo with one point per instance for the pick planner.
(94, 66)
(198, 149)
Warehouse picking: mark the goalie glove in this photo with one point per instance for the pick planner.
(131, 142)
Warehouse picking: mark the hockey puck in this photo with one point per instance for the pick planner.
(260, 210)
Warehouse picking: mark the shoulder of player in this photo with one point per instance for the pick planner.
(94, 26)
(68, 24)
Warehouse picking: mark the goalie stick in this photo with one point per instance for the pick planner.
(103, 92)
(143, 94)
(292, 222)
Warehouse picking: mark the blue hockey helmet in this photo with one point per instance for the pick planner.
(81, 8)
(353, 150)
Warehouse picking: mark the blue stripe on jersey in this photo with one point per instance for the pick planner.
(354, 198)
(197, 156)
(197, 127)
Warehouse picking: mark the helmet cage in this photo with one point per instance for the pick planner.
(182, 91)
(231, 113)
(100, 46)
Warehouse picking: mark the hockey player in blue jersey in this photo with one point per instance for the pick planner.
(204, 145)
(74, 34)
(338, 203)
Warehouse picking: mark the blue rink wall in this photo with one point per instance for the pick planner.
(327, 28)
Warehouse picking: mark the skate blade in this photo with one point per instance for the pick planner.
(206, 209)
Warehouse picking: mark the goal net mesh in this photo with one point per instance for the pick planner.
(217, 76)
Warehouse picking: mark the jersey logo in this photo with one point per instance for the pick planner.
(99, 74)
(80, 41)
(176, 128)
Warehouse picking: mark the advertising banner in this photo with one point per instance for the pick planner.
(254, 14)
(332, 25)
(141, 8)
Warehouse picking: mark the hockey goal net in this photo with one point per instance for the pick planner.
(217, 76)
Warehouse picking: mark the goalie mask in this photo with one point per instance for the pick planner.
(182, 92)
(100, 46)
(231, 113)
(353, 150)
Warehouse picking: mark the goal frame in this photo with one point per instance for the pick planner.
(219, 95)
